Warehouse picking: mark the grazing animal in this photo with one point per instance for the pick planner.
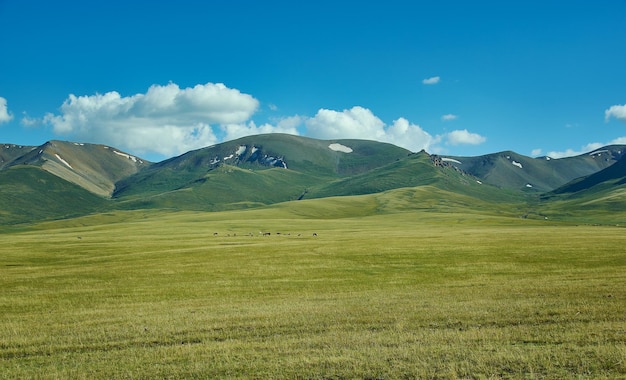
(314, 233)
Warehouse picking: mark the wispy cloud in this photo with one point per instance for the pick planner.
(5, 115)
(616, 111)
(431, 80)
(449, 117)
(536, 152)
(28, 121)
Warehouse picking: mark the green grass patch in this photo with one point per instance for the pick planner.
(147, 294)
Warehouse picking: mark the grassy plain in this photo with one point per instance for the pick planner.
(405, 295)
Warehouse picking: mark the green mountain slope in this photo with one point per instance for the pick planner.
(417, 169)
(511, 170)
(29, 193)
(63, 179)
(314, 161)
(602, 194)
(227, 187)
(609, 178)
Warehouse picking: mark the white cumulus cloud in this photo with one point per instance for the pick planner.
(169, 120)
(5, 115)
(431, 80)
(410, 136)
(361, 123)
(616, 111)
(286, 125)
(463, 136)
(166, 119)
(357, 123)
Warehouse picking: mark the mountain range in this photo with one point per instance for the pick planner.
(62, 179)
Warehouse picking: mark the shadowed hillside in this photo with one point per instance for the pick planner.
(515, 171)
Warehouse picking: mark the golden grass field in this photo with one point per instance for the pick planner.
(145, 295)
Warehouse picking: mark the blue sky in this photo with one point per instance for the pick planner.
(461, 78)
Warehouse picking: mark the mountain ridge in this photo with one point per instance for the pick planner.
(542, 174)
(261, 170)
(94, 167)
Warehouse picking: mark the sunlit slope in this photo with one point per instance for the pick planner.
(95, 168)
(227, 187)
(420, 169)
(29, 194)
(264, 170)
(309, 157)
(511, 170)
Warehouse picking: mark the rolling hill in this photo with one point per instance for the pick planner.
(252, 171)
(29, 193)
(61, 179)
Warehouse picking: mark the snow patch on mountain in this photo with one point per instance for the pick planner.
(598, 152)
(518, 164)
(446, 159)
(64, 162)
(133, 158)
(241, 150)
(340, 148)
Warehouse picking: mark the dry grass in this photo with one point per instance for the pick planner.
(416, 295)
